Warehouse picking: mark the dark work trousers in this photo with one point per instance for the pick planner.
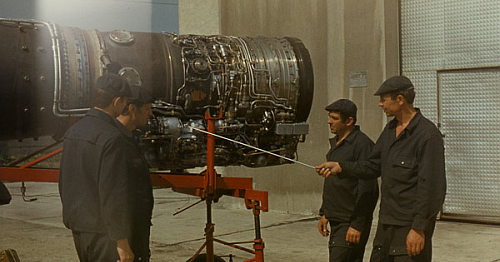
(340, 249)
(95, 247)
(389, 244)
(140, 243)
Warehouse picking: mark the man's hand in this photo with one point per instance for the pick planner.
(323, 226)
(328, 168)
(353, 235)
(124, 251)
(415, 241)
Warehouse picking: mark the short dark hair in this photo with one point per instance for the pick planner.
(345, 108)
(409, 95)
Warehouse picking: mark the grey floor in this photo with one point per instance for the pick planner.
(35, 231)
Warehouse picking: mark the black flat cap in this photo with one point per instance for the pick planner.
(345, 107)
(140, 96)
(393, 84)
(113, 84)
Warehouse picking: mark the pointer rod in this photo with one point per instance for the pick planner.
(256, 148)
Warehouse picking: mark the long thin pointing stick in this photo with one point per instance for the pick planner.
(256, 148)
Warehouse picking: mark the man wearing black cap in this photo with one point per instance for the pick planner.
(409, 157)
(95, 180)
(347, 203)
(138, 110)
(135, 115)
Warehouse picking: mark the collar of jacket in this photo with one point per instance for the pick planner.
(123, 129)
(413, 122)
(113, 121)
(349, 139)
(101, 115)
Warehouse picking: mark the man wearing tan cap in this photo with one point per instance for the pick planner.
(409, 157)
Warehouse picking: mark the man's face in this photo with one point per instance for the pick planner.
(336, 123)
(390, 106)
(142, 114)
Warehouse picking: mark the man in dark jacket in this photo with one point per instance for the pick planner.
(409, 157)
(347, 203)
(96, 181)
(134, 116)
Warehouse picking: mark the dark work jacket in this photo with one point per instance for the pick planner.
(142, 198)
(412, 170)
(350, 200)
(103, 182)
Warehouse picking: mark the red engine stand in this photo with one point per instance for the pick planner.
(208, 185)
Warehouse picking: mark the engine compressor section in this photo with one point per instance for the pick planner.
(260, 89)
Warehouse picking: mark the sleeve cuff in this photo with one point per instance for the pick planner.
(419, 223)
(119, 234)
(321, 211)
(343, 165)
(358, 223)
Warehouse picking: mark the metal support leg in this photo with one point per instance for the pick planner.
(210, 183)
(256, 219)
(209, 233)
(258, 245)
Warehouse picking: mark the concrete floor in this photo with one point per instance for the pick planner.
(35, 231)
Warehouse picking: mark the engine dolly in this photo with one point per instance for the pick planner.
(208, 185)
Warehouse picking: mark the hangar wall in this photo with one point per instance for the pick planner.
(353, 46)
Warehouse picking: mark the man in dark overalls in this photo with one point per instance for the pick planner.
(409, 157)
(347, 203)
(98, 180)
(133, 117)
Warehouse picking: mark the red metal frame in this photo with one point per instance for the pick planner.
(208, 185)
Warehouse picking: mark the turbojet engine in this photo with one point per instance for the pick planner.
(260, 89)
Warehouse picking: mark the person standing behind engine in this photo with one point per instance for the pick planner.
(348, 203)
(135, 115)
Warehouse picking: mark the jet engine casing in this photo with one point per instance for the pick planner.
(261, 86)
